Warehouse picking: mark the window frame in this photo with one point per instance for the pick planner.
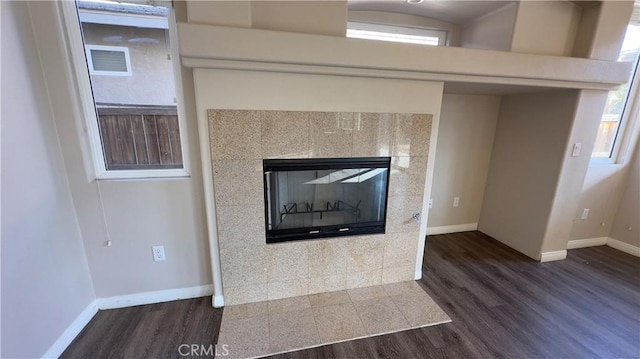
(629, 128)
(441, 34)
(82, 83)
(93, 71)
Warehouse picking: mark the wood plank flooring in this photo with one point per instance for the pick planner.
(502, 304)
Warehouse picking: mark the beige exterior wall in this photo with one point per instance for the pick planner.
(151, 81)
(45, 277)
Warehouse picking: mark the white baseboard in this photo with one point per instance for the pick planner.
(622, 246)
(553, 256)
(72, 331)
(160, 296)
(587, 242)
(218, 301)
(452, 229)
(418, 274)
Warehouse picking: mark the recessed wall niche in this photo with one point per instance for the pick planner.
(253, 271)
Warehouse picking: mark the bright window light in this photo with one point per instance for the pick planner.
(395, 33)
(392, 37)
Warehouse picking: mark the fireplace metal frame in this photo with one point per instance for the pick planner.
(351, 229)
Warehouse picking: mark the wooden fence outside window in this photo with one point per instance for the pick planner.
(140, 137)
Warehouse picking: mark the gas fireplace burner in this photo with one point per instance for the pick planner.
(328, 197)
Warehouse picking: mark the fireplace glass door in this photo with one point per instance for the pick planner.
(316, 198)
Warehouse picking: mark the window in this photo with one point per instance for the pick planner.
(129, 86)
(108, 60)
(392, 33)
(620, 100)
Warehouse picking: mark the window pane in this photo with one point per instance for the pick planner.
(617, 99)
(394, 33)
(129, 57)
(386, 36)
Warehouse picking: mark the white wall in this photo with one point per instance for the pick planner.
(613, 17)
(584, 127)
(311, 16)
(546, 27)
(45, 276)
(467, 127)
(528, 154)
(628, 213)
(133, 214)
(601, 193)
(492, 31)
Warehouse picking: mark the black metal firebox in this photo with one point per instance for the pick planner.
(328, 197)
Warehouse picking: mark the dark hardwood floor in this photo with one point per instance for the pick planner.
(502, 304)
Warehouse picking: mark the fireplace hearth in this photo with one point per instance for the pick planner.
(327, 197)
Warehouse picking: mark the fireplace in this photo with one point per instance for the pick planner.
(326, 197)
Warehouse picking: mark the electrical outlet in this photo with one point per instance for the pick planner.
(585, 214)
(576, 149)
(456, 201)
(431, 203)
(158, 253)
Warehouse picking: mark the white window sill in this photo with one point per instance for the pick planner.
(144, 174)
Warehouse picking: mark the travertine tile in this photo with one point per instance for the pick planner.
(292, 330)
(287, 261)
(285, 134)
(407, 176)
(331, 134)
(242, 311)
(372, 135)
(245, 294)
(398, 274)
(240, 226)
(243, 266)
(402, 288)
(338, 322)
(364, 279)
(400, 249)
(366, 293)
(327, 257)
(328, 283)
(288, 304)
(400, 210)
(380, 315)
(365, 253)
(294, 288)
(238, 182)
(412, 135)
(329, 298)
(245, 338)
(419, 309)
(234, 134)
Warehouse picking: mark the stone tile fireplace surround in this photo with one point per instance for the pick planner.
(253, 271)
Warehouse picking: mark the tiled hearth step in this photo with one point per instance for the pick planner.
(283, 325)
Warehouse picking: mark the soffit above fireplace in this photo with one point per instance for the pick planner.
(207, 46)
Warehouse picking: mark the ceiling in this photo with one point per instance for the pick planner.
(453, 11)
